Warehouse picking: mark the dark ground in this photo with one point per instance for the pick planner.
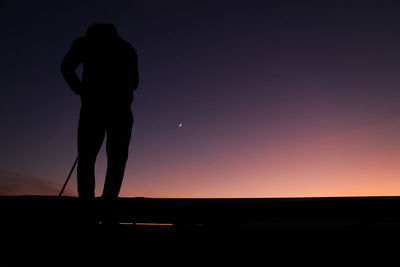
(147, 222)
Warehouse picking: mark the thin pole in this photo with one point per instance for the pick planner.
(69, 176)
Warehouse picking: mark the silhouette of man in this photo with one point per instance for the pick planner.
(110, 75)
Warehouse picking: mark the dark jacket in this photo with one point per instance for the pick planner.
(110, 68)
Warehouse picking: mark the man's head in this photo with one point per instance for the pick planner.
(101, 30)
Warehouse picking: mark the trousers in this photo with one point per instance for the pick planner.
(94, 125)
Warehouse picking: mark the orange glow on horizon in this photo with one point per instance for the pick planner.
(361, 162)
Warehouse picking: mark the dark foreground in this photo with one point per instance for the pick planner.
(348, 221)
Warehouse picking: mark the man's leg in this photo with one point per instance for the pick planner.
(91, 132)
(119, 131)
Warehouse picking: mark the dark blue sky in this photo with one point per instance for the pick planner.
(247, 79)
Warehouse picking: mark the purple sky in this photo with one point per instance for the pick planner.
(276, 98)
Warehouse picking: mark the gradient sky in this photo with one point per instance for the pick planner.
(276, 98)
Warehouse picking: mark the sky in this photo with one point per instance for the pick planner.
(274, 98)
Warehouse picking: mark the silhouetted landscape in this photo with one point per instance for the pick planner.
(338, 221)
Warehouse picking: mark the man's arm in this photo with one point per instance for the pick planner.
(69, 64)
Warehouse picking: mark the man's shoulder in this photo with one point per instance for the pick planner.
(126, 44)
(79, 42)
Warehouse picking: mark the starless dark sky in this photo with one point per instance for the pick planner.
(276, 98)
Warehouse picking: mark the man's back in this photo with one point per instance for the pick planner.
(110, 72)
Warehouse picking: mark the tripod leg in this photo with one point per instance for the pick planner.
(69, 176)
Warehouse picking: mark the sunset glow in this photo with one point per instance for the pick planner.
(360, 162)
